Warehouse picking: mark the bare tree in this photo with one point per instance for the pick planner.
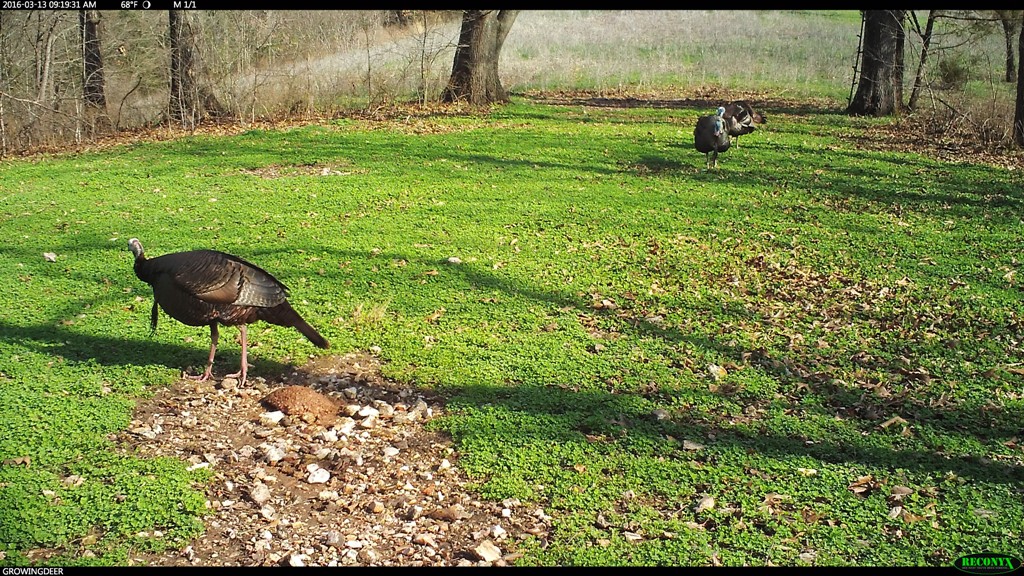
(926, 40)
(46, 36)
(474, 76)
(1010, 21)
(191, 100)
(92, 58)
(1018, 116)
(880, 89)
(400, 18)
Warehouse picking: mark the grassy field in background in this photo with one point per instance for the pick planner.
(784, 52)
(809, 356)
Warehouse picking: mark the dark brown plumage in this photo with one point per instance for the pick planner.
(207, 287)
(740, 118)
(710, 137)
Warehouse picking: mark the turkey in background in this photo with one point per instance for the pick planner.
(711, 137)
(741, 118)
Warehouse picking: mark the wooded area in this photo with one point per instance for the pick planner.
(69, 77)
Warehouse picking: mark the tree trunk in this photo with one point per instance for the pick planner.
(474, 76)
(92, 58)
(880, 90)
(1018, 117)
(45, 37)
(926, 41)
(1006, 18)
(190, 100)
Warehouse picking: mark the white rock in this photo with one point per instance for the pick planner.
(345, 426)
(368, 411)
(268, 418)
(272, 453)
(297, 560)
(368, 555)
(319, 476)
(424, 540)
(260, 493)
(332, 538)
(487, 551)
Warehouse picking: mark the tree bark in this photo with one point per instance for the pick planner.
(45, 37)
(92, 58)
(926, 41)
(880, 90)
(190, 100)
(1018, 116)
(1008, 19)
(474, 76)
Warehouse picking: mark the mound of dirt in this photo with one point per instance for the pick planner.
(302, 401)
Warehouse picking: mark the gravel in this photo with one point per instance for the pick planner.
(294, 485)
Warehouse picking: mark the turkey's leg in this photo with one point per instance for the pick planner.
(209, 363)
(244, 333)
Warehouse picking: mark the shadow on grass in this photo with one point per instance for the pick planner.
(766, 106)
(75, 348)
(861, 411)
(547, 403)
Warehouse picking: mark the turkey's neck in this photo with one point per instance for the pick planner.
(142, 271)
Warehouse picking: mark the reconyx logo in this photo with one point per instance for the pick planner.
(987, 563)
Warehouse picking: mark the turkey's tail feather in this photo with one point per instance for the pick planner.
(284, 315)
(311, 333)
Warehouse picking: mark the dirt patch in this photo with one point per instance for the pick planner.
(372, 487)
(273, 171)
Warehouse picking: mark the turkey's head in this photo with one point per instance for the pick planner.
(136, 247)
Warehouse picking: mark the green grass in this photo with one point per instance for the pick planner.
(817, 327)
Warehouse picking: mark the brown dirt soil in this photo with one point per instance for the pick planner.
(370, 487)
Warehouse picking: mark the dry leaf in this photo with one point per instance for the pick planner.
(864, 485)
(690, 445)
(26, 460)
(716, 371)
(706, 503)
(911, 517)
(891, 421)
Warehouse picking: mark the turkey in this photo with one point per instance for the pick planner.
(207, 287)
(710, 136)
(740, 118)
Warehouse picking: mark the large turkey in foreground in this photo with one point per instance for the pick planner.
(710, 136)
(207, 287)
(740, 118)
